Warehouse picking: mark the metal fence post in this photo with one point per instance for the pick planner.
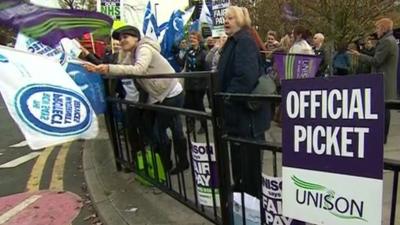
(222, 156)
(110, 123)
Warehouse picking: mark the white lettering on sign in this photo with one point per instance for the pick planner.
(322, 140)
(335, 104)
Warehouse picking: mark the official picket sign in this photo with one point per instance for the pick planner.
(333, 132)
(46, 104)
(272, 202)
(219, 7)
(111, 8)
(205, 172)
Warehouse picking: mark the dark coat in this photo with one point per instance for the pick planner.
(322, 67)
(195, 61)
(238, 71)
(385, 61)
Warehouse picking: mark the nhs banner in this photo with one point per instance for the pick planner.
(43, 100)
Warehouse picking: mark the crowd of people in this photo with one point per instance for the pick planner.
(239, 58)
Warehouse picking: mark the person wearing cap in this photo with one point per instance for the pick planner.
(141, 56)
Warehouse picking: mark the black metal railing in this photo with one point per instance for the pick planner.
(182, 187)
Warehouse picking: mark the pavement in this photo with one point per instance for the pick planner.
(120, 200)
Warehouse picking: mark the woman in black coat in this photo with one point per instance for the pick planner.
(195, 88)
(239, 68)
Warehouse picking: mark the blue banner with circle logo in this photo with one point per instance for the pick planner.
(43, 100)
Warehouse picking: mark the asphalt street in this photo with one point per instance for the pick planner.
(55, 170)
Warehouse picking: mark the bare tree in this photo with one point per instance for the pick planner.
(7, 36)
(342, 20)
(266, 15)
(78, 4)
(68, 4)
(339, 20)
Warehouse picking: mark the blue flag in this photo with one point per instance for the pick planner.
(173, 35)
(195, 26)
(91, 85)
(150, 27)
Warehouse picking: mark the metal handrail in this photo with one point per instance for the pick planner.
(204, 74)
(162, 108)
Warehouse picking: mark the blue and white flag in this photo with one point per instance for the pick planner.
(150, 27)
(173, 35)
(205, 15)
(195, 26)
(90, 83)
(188, 15)
(43, 100)
(33, 46)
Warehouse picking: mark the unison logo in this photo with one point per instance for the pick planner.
(318, 196)
(53, 110)
(305, 67)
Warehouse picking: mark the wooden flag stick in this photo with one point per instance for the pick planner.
(92, 42)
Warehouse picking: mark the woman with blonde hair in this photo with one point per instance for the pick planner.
(141, 56)
(285, 44)
(239, 68)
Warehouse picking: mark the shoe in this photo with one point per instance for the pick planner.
(182, 157)
(179, 169)
(190, 125)
(165, 154)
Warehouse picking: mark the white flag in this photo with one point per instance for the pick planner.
(205, 15)
(43, 100)
(65, 51)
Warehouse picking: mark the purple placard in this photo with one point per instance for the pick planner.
(205, 173)
(295, 66)
(272, 202)
(366, 126)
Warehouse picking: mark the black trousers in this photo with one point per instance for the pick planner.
(194, 100)
(387, 123)
(246, 168)
(342, 72)
(136, 130)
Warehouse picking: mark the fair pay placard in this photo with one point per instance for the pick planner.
(333, 133)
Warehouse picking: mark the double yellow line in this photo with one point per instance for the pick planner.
(57, 178)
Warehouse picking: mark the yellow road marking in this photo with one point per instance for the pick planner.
(37, 170)
(57, 178)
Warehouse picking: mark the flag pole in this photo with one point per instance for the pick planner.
(92, 42)
(112, 46)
